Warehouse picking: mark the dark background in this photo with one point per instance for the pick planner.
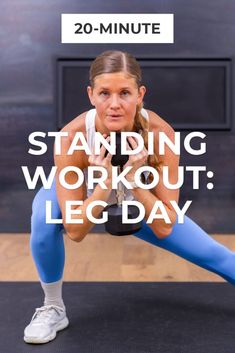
(30, 45)
(199, 91)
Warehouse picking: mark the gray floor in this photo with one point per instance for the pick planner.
(126, 318)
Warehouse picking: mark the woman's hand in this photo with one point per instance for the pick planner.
(136, 161)
(102, 161)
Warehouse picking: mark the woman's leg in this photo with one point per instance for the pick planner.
(189, 241)
(47, 246)
(47, 243)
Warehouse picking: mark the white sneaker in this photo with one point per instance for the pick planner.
(45, 322)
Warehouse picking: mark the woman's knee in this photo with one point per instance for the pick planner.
(43, 236)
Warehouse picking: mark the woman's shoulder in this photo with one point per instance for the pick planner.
(77, 124)
(158, 124)
(78, 158)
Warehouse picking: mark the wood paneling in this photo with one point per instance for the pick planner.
(101, 257)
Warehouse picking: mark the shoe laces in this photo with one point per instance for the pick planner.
(45, 313)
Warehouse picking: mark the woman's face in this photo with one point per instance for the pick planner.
(115, 97)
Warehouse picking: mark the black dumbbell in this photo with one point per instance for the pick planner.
(114, 224)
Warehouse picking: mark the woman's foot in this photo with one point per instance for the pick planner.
(45, 322)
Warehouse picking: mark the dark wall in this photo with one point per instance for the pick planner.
(30, 44)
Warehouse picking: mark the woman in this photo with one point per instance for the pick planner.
(117, 94)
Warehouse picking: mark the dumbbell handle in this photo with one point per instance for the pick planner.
(118, 159)
(120, 192)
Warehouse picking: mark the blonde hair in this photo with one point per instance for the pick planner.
(117, 61)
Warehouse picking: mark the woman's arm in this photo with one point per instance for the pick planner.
(79, 159)
(160, 192)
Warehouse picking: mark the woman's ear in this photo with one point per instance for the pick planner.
(90, 95)
(142, 90)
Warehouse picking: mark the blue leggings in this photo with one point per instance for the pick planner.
(187, 240)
